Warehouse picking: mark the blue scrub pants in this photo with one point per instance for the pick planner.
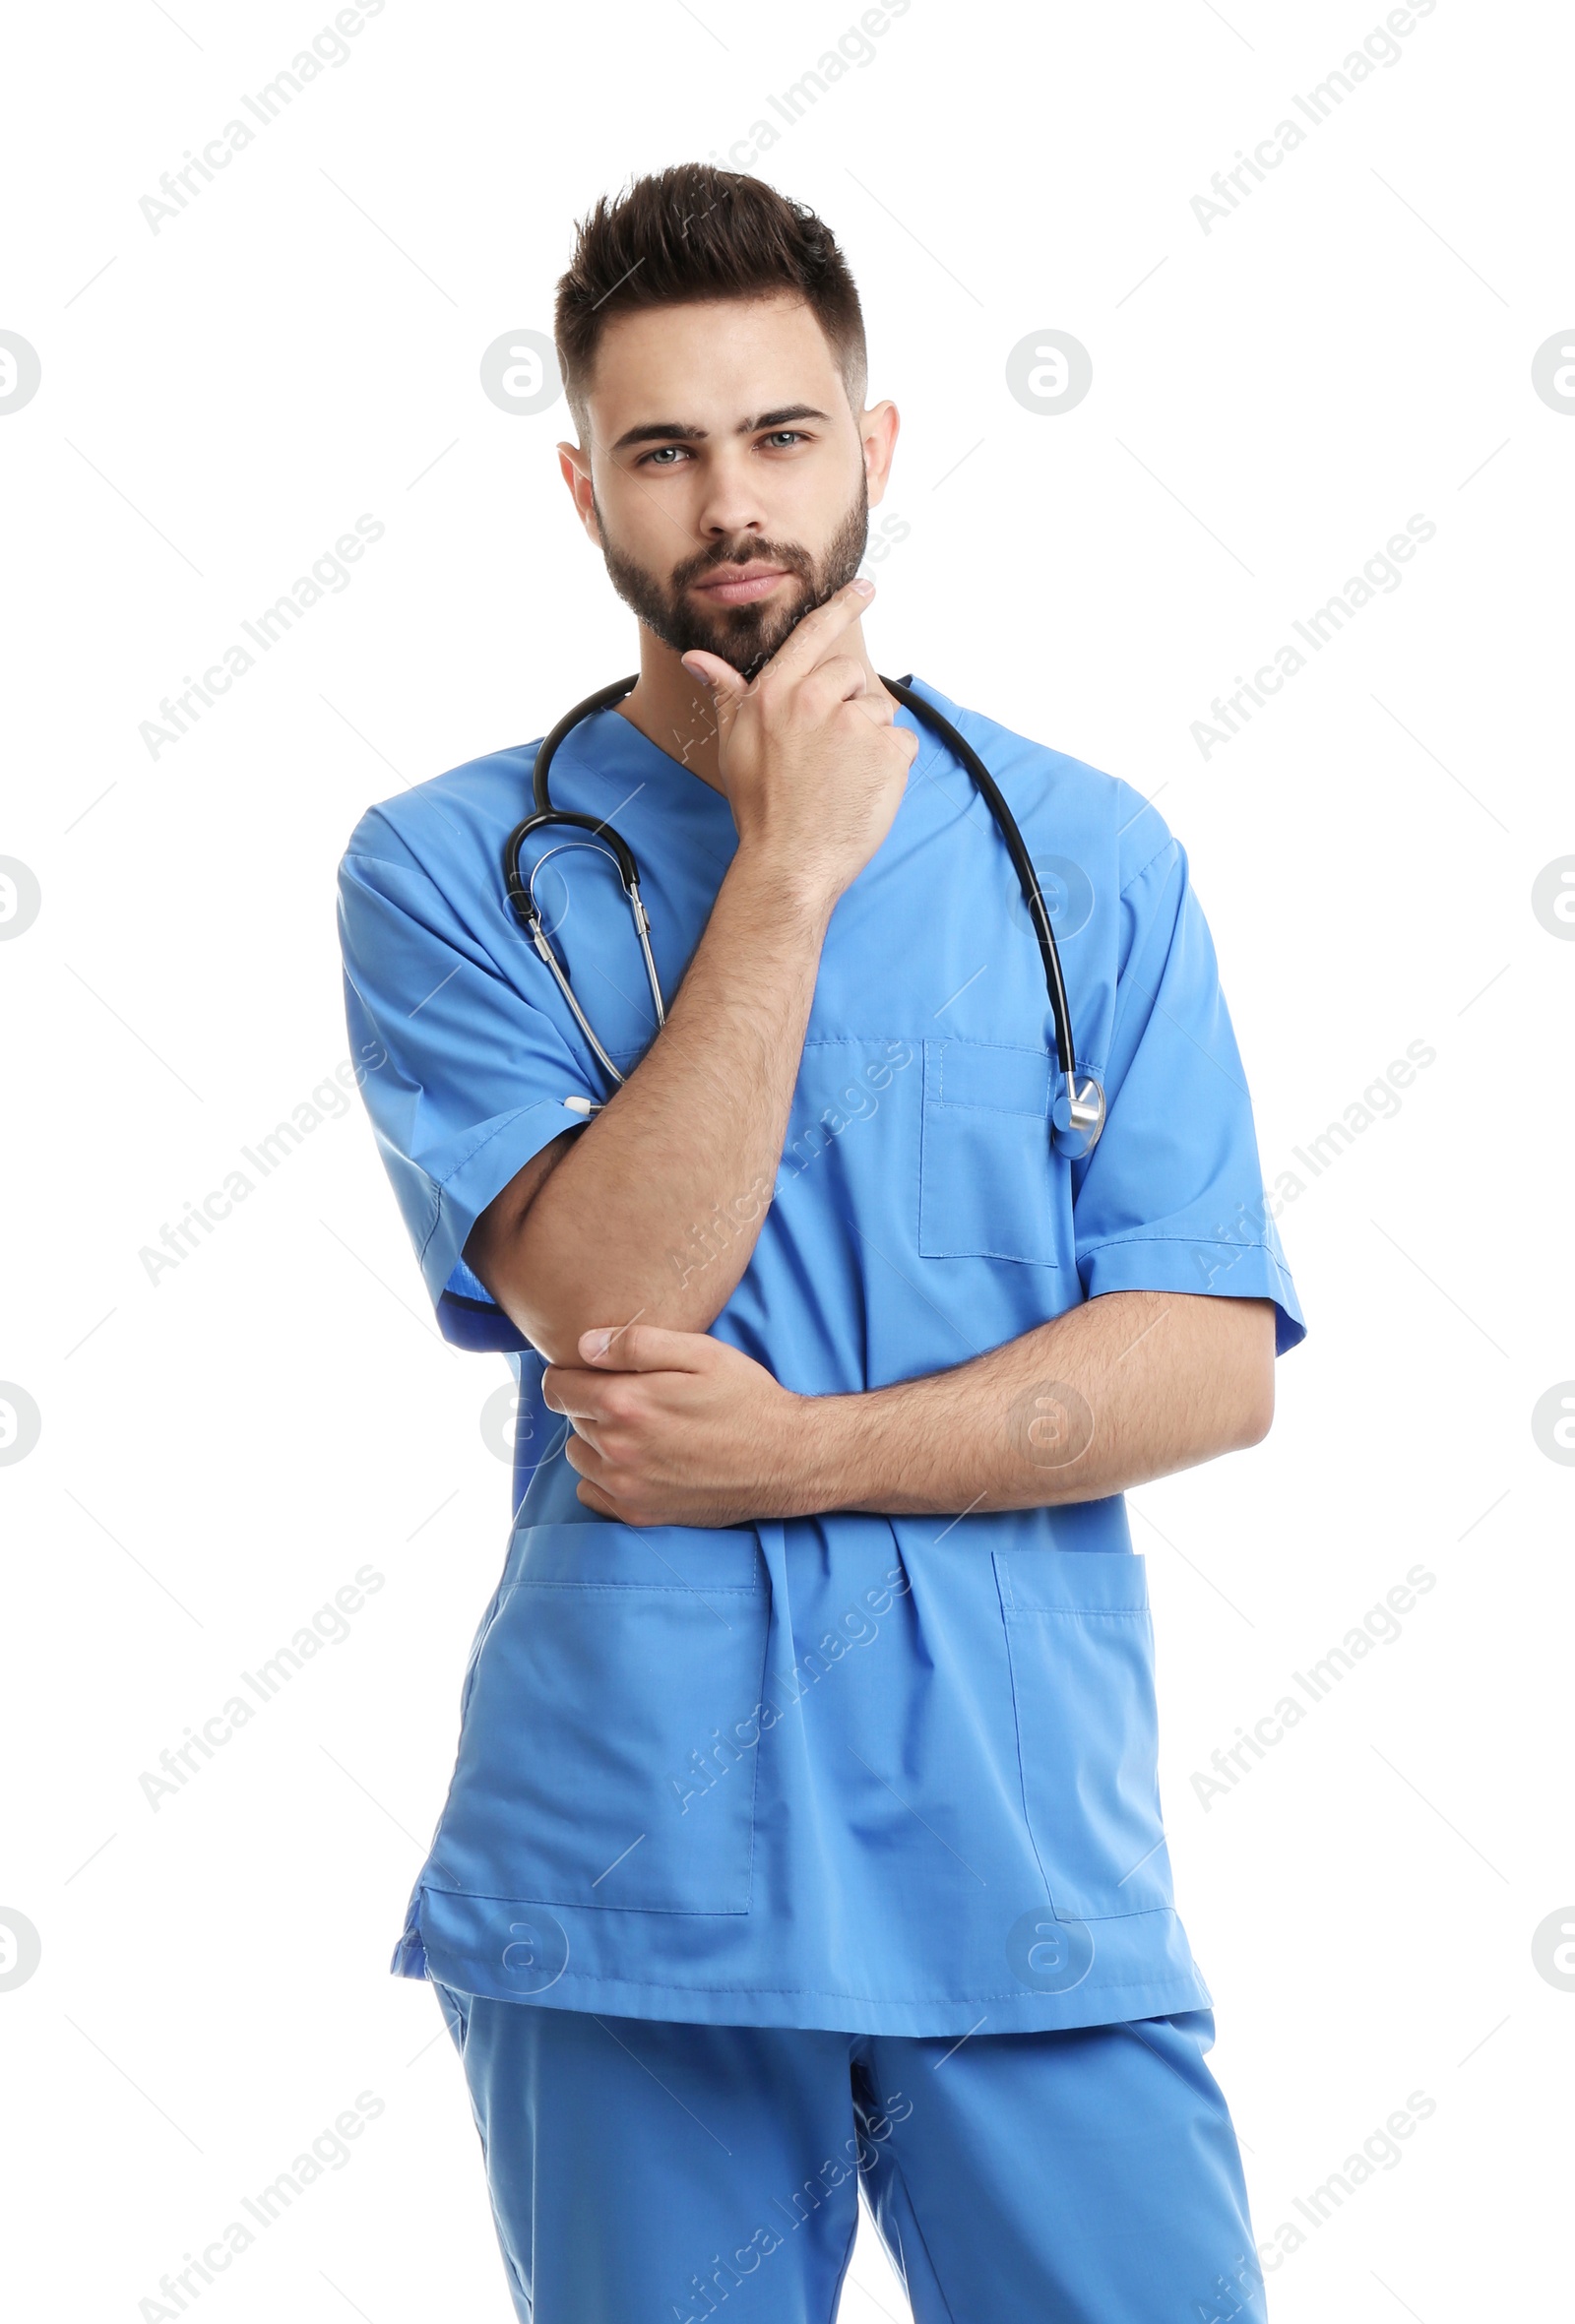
(643, 2172)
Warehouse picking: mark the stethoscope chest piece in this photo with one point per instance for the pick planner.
(1078, 1116)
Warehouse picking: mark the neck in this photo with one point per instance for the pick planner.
(676, 713)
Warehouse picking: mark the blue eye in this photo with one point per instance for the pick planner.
(665, 452)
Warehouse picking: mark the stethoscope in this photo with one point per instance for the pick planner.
(1078, 1114)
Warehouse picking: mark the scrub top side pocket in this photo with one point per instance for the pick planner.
(609, 1722)
(986, 1170)
(1080, 1641)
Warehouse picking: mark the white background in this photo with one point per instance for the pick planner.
(219, 1452)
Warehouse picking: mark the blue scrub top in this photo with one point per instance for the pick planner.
(875, 1774)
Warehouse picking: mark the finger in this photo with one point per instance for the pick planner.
(839, 678)
(646, 1348)
(585, 1459)
(840, 674)
(578, 1395)
(878, 708)
(721, 682)
(819, 631)
(594, 1487)
(874, 704)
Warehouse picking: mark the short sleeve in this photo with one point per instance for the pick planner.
(1172, 1198)
(464, 1078)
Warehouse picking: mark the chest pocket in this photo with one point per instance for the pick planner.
(987, 1178)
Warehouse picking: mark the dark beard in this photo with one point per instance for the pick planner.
(743, 636)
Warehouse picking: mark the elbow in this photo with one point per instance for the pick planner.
(1256, 1409)
(558, 1343)
(553, 1280)
(1250, 1368)
(552, 1304)
(550, 1315)
(552, 1311)
(554, 1328)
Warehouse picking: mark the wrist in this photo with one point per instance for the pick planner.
(793, 892)
(832, 1455)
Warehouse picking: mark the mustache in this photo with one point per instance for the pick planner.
(761, 552)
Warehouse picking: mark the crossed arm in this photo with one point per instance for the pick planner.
(669, 1425)
(1128, 1385)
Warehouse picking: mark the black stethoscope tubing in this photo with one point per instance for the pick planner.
(544, 813)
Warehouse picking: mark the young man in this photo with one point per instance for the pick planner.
(805, 1828)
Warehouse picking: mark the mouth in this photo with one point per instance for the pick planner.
(740, 585)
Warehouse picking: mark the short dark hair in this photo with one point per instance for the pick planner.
(691, 232)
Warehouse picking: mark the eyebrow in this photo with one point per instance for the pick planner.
(653, 431)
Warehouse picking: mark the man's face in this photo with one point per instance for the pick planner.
(726, 474)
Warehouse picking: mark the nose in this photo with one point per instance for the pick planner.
(729, 505)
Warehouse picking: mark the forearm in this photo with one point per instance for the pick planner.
(1127, 1387)
(655, 1209)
